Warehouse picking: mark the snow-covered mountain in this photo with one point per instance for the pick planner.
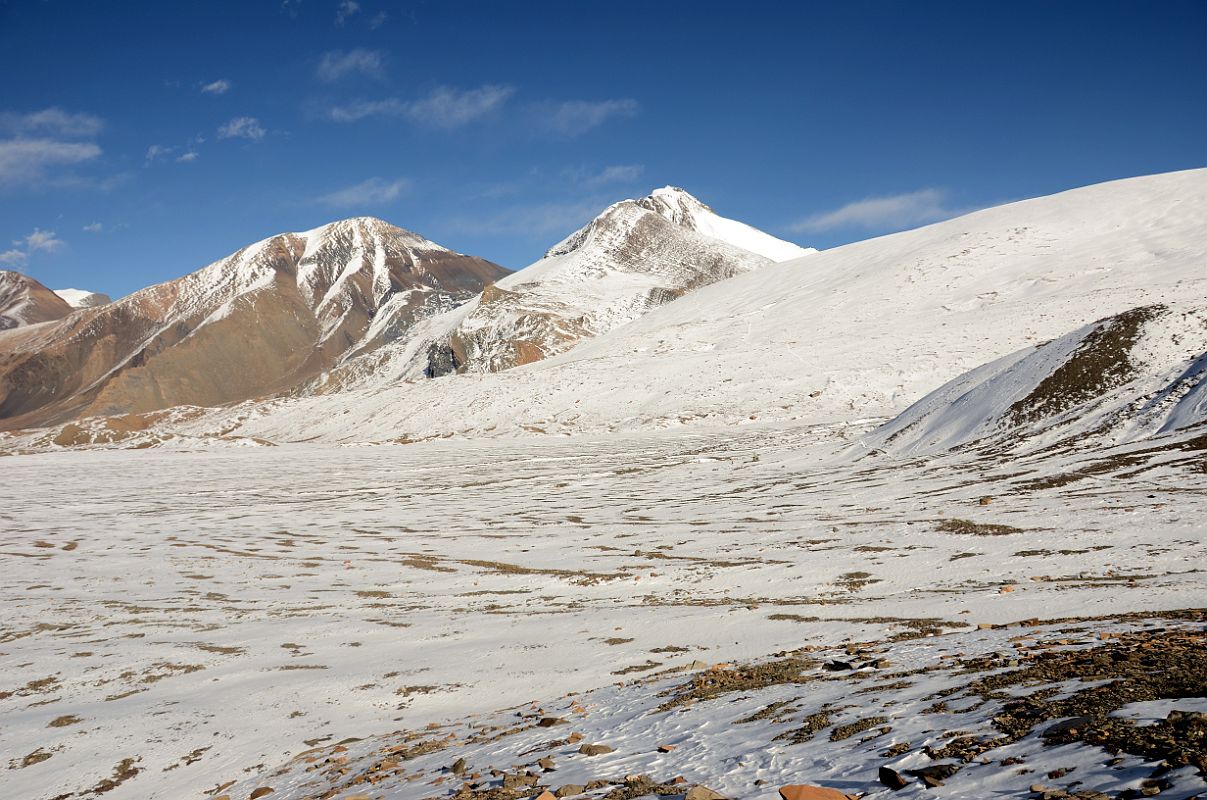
(260, 321)
(82, 298)
(860, 331)
(24, 301)
(635, 256)
(1128, 377)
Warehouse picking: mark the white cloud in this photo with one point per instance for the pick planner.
(26, 161)
(93, 227)
(54, 122)
(242, 128)
(378, 20)
(884, 212)
(217, 87)
(574, 117)
(346, 9)
(45, 241)
(337, 64)
(13, 258)
(370, 192)
(444, 107)
(191, 155)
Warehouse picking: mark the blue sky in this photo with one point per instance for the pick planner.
(142, 140)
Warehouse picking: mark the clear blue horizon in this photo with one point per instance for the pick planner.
(140, 141)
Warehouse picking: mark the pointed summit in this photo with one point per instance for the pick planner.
(681, 208)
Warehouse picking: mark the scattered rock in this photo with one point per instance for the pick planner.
(517, 781)
(802, 791)
(263, 791)
(459, 767)
(702, 793)
(546, 795)
(569, 790)
(546, 764)
(837, 666)
(549, 722)
(1067, 726)
(934, 775)
(665, 748)
(594, 749)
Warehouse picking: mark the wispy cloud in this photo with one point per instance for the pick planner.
(156, 152)
(217, 87)
(51, 122)
(27, 161)
(191, 155)
(242, 128)
(93, 227)
(539, 219)
(373, 191)
(13, 258)
(45, 241)
(38, 241)
(619, 173)
(346, 9)
(445, 107)
(576, 117)
(883, 212)
(338, 64)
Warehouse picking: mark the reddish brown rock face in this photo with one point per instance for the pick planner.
(260, 322)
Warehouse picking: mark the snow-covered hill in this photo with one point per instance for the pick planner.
(635, 256)
(24, 301)
(82, 298)
(859, 331)
(262, 320)
(1131, 376)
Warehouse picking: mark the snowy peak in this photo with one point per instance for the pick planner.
(82, 298)
(25, 301)
(684, 210)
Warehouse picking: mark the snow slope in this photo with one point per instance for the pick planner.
(1131, 376)
(859, 331)
(82, 298)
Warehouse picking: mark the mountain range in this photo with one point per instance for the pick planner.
(657, 313)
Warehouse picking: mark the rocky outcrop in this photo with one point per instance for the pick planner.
(1130, 376)
(259, 322)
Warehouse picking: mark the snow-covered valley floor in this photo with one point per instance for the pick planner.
(173, 620)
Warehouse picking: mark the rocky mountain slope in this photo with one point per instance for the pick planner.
(24, 301)
(635, 256)
(1132, 376)
(859, 331)
(263, 320)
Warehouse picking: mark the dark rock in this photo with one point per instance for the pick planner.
(892, 779)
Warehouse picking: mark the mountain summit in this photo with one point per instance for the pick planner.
(635, 256)
(24, 301)
(260, 321)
